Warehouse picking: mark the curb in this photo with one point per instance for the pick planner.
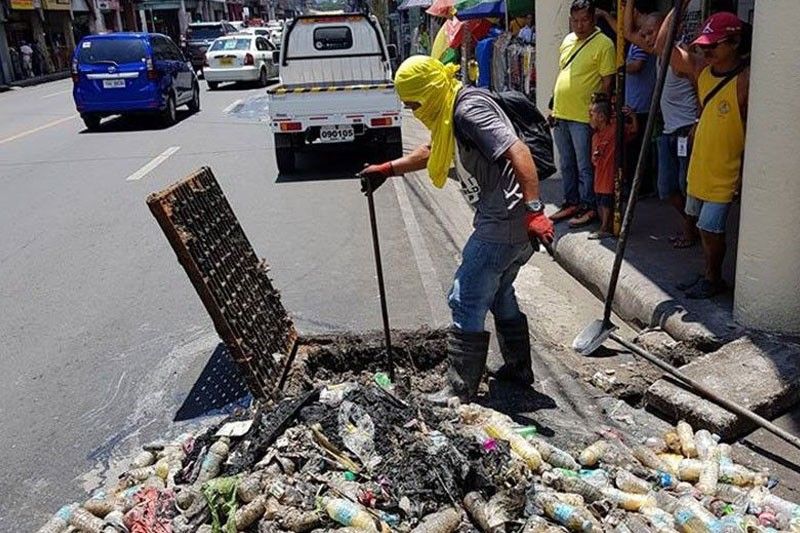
(41, 79)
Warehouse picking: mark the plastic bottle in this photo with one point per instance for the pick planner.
(300, 521)
(690, 469)
(100, 504)
(60, 520)
(672, 460)
(732, 494)
(660, 519)
(571, 517)
(444, 521)
(691, 517)
(648, 458)
(85, 521)
(352, 515)
(574, 484)
(570, 498)
(555, 456)
(627, 482)
(657, 444)
(686, 436)
(737, 475)
(250, 512)
(497, 429)
(476, 508)
(704, 443)
(666, 501)
(593, 453)
(707, 484)
(212, 463)
(597, 477)
(143, 458)
(627, 500)
(673, 441)
(537, 524)
(137, 475)
(636, 524)
(249, 488)
(526, 431)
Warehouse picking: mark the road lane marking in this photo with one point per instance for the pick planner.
(56, 94)
(440, 313)
(38, 128)
(149, 167)
(230, 107)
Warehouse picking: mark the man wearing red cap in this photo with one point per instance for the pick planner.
(722, 76)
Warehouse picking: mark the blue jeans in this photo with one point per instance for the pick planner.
(574, 144)
(485, 282)
(672, 168)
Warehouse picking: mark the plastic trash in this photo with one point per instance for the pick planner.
(475, 506)
(352, 515)
(657, 444)
(707, 484)
(690, 469)
(333, 395)
(593, 453)
(570, 498)
(692, 517)
(383, 381)
(627, 500)
(85, 521)
(555, 456)
(300, 521)
(212, 462)
(444, 521)
(650, 459)
(496, 428)
(666, 501)
(249, 488)
(673, 442)
(672, 461)
(704, 443)
(250, 512)
(598, 477)
(144, 458)
(659, 519)
(100, 504)
(733, 495)
(568, 481)
(60, 520)
(686, 437)
(573, 518)
(627, 482)
(637, 524)
(526, 431)
(537, 524)
(357, 431)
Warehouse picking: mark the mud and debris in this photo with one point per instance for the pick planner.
(349, 450)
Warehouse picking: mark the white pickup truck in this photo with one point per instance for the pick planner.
(336, 87)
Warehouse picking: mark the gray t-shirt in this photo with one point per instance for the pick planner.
(483, 134)
(678, 102)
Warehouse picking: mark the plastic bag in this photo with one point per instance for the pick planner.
(358, 433)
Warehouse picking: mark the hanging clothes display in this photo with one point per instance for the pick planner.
(500, 62)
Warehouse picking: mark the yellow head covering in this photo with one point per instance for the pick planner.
(433, 85)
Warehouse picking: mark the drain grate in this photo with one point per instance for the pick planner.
(232, 282)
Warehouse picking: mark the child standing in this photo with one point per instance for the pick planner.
(602, 121)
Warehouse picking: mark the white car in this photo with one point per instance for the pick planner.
(240, 57)
(258, 30)
(275, 37)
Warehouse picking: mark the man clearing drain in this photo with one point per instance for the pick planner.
(499, 178)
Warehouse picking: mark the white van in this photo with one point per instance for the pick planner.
(336, 87)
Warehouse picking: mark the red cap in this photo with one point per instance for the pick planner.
(718, 27)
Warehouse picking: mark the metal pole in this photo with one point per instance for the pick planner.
(376, 248)
(712, 396)
(643, 153)
(619, 146)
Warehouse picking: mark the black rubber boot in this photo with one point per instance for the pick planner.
(515, 345)
(466, 353)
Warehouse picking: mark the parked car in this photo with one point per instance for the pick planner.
(240, 57)
(122, 73)
(259, 30)
(336, 87)
(200, 35)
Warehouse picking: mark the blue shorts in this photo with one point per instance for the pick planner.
(605, 200)
(711, 216)
(672, 168)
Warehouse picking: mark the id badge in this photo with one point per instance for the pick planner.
(683, 146)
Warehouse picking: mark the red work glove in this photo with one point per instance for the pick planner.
(540, 227)
(375, 175)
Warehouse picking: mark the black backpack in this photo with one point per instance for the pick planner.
(532, 129)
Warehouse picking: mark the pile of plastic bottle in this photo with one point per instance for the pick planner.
(684, 481)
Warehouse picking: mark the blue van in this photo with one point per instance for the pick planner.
(121, 73)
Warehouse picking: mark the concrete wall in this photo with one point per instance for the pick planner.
(552, 24)
(768, 262)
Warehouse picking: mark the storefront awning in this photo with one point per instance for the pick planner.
(408, 4)
(155, 6)
(56, 5)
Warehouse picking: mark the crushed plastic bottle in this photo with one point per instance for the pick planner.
(659, 519)
(570, 498)
(597, 477)
(707, 484)
(627, 500)
(444, 521)
(498, 429)
(100, 504)
(692, 517)
(686, 437)
(657, 444)
(144, 458)
(212, 462)
(637, 524)
(666, 501)
(60, 520)
(250, 512)
(573, 518)
(475, 506)
(352, 515)
(85, 521)
(568, 481)
(555, 456)
(673, 441)
(627, 482)
(672, 460)
(690, 469)
(593, 453)
(249, 488)
(733, 495)
(357, 431)
(648, 458)
(704, 443)
(537, 524)
(301, 521)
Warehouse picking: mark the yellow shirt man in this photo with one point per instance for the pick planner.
(583, 76)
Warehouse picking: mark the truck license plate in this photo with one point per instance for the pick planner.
(336, 134)
(113, 84)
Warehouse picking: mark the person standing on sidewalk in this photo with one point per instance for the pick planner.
(499, 179)
(26, 52)
(586, 67)
(722, 77)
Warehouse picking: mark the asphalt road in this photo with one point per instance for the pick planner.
(103, 336)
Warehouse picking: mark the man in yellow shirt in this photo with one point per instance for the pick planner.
(586, 67)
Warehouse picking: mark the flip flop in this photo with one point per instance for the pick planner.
(687, 284)
(599, 235)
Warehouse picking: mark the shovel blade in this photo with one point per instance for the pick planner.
(592, 337)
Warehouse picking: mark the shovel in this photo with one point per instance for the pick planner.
(376, 248)
(596, 333)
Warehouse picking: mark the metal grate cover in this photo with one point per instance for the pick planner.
(233, 284)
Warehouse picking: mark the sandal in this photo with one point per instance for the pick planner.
(706, 289)
(599, 235)
(683, 242)
(687, 284)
